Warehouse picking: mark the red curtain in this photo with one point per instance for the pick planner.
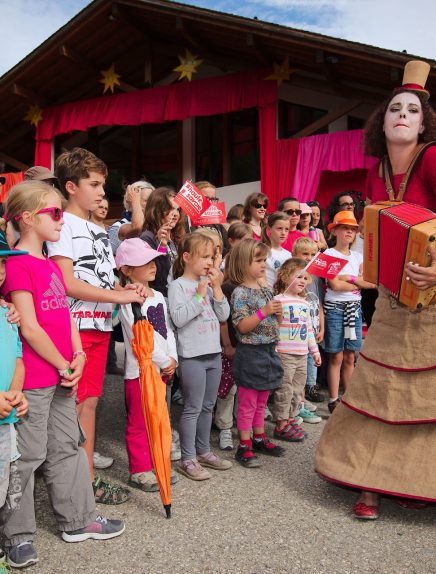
(287, 155)
(203, 97)
(268, 155)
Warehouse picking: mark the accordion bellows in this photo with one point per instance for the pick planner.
(396, 233)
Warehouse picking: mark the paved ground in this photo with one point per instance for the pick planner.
(279, 519)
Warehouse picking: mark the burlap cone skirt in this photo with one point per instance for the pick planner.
(382, 438)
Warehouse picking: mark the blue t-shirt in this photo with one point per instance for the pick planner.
(11, 349)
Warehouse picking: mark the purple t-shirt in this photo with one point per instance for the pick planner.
(43, 279)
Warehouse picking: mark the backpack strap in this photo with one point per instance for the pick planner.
(388, 176)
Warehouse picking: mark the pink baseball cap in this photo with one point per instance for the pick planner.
(135, 252)
(305, 208)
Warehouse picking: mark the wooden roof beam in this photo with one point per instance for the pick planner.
(81, 61)
(333, 115)
(183, 29)
(253, 43)
(29, 95)
(13, 162)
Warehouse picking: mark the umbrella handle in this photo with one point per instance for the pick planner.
(137, 313)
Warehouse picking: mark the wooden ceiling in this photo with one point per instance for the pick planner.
(143, 38)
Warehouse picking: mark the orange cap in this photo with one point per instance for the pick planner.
(343, 218)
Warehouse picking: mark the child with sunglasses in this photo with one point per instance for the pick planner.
(54, 360)
(291, 206)
(255, 213)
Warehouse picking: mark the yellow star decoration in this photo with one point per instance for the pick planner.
(110, 79)
(282, 72)
(34, 115)
(188, 65)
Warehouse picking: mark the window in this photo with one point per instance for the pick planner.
(293, 118)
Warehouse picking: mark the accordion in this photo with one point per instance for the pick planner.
(395, 234)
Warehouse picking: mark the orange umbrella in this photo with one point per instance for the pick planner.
(154, 406)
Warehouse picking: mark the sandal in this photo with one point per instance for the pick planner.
(106, 493)
(290, 433)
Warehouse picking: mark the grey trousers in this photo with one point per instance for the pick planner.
(200, 381)
(48, 436)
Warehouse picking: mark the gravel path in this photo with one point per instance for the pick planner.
(280, 518)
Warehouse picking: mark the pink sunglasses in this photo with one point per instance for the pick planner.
(55, 212)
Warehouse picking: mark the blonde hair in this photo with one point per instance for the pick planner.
(272, 219)
(301, 243)
(203, 184)
(285, 273)
(193, 244)
(29, 195)
(241, 257)
(213, 234)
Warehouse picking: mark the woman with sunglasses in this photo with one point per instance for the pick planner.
(291, 206)
(255, 207)
(317, 222)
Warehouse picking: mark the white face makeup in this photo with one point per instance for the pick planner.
(403, 119)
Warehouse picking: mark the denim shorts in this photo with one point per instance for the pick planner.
(334, 340)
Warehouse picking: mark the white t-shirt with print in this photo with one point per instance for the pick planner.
(275, 260)
(355, 261)
(87, 245)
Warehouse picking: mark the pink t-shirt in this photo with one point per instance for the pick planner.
(43, 279)
(292, 238)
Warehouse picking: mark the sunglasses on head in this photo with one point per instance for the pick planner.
(293, 211)
(56, 213)
(260, 205)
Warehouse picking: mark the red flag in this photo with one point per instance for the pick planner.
(191, 200)
(216, 213)
(326, 266)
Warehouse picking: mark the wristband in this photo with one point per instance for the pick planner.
(63, 372)
(260, 315)
(198, 297)
(79, 353)
(353, 279)
(162, 249)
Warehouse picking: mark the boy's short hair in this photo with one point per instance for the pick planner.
(77, 164)
(303, 243)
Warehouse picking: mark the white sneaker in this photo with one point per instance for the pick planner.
(309, 406)
(101, 462)
(226, 440)
(175, 452)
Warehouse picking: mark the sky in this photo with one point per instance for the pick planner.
(392, 24)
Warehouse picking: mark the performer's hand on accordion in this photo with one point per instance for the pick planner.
(423, 277)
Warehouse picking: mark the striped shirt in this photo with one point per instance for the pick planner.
(296, 332)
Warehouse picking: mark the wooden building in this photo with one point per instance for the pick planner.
(322, 85)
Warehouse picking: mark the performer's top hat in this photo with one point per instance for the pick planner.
(414, 78)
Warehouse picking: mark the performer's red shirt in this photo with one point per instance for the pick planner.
(421, 189)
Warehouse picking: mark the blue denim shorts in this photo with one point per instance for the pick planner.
(334, 340)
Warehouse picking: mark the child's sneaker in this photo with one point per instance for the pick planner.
(309, 417)
(226, 440)
(297, 420)
(290, 433)
(265, 446)
(101, 462)
(145, 481)
(100, 529)
(309, 406)
(312, 393)
(245, 456)
(106, 493)
(211, 460)
(22, 555)
(193, 470)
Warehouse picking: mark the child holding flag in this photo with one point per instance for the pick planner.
(296, 340)
(343, 312)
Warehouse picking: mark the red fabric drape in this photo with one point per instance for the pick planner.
(203, 97)
(268, 155)
(11, 180)
(287, 155)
